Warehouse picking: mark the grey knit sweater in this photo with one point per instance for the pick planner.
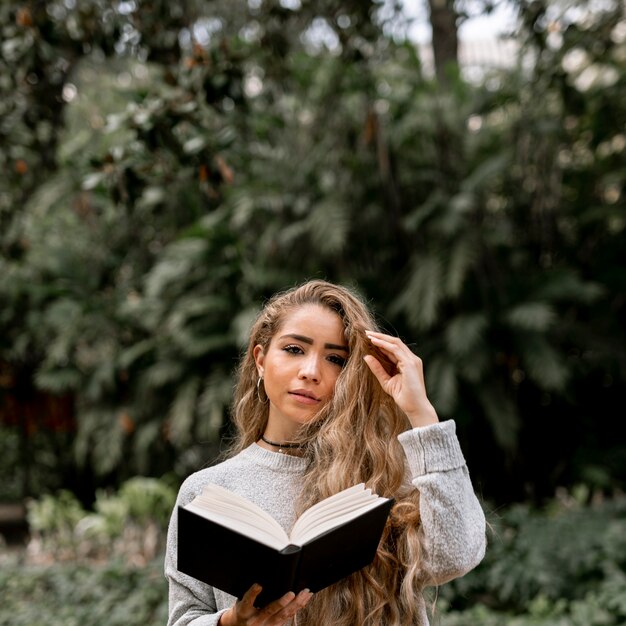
(452, 521)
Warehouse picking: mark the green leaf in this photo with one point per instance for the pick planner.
(537, 316)
(465, 334)
(486, 171)
(181, 414)
(329, 226)
(422, 294)
(544, 364)
(195, 145)
(58, 381)
(460, 260)
(502, 415)
(442, 385)
(128, 356)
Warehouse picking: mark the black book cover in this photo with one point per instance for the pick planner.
(233, 562)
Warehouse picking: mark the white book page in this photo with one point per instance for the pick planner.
(333, 522)
(217, 494)
(323, 515)
(335, 503)
(238, 513)
(245, 528)
(232, 512)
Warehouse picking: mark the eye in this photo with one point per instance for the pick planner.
(293, 349)
(337, 360)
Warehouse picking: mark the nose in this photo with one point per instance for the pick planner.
(310, 369)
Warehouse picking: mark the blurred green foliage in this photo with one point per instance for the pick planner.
(170, 166)
(128, 524)
(564, 566)
(560, 566)
(71, 594)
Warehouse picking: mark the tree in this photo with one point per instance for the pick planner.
(443, 20)
(263, 145)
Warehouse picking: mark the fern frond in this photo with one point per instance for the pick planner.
(329, 223)
(502, 415)
(420, 298)
(182, 411)
(442, 385)
(465, 334)
(537, 316)
(461, 258)
(567, 285)
(543, 363)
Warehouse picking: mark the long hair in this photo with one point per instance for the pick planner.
(352, 439)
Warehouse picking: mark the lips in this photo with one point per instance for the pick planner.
(303, 394)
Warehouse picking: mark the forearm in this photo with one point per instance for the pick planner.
(452, 525)
(187, 608)
(452, 520)
(191, 603)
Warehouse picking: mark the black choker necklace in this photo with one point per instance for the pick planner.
(283, 446)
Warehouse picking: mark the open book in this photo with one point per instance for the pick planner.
(230, 543)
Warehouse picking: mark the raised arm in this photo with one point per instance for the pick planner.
(452, 520)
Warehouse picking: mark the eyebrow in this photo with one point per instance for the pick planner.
(303, 339)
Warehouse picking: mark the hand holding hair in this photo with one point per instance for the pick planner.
(276, 613)
(406, 386)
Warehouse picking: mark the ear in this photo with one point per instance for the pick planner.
(259, 358)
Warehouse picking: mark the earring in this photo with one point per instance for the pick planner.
(258, 391)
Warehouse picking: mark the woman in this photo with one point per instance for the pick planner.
(324, 401)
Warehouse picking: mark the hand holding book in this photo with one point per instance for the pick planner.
(276, 613)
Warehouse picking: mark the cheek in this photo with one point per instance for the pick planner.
(276, 375)
(270, 378)
(332, 382)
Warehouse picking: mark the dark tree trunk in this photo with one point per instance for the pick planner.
(443, 19)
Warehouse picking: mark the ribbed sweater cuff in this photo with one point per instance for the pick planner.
(433, 448)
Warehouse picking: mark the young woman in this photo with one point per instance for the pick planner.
(325, 401)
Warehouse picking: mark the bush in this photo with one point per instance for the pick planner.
(129, 524)
(560, 567)
(73, 595)
(92, 568)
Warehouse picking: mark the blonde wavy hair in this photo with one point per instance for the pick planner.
(352, 439)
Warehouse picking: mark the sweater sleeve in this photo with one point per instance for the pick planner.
(452, 520)
(191, 602)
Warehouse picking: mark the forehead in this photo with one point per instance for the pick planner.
(314, 321)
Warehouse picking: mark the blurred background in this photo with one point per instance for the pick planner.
(166, 166)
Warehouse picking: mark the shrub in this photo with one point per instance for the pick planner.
(73, 594)
(130, 524)
(562, 566)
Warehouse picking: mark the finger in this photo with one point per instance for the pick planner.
(303, 598)
(276, 606)
(377, 333)
(299, 602)
(377, 369)
(388, 338)
(392, 342)
(247, 602)
(395, 350)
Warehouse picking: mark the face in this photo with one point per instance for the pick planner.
(300, 367)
